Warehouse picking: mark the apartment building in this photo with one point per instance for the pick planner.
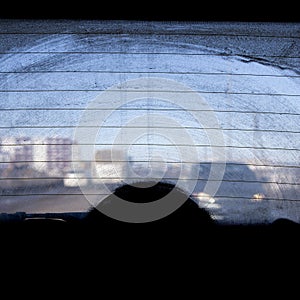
(52, 155)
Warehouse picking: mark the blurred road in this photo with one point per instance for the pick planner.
(225, 209)
(56, 200)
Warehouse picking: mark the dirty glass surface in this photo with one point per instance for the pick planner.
(213, 108)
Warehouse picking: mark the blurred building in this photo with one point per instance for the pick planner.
(52, 155)
(110, 166)
(4, 160)
(59, 154)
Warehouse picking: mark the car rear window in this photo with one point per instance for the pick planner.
(213, 108)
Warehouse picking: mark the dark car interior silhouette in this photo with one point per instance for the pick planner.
(248, 75)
